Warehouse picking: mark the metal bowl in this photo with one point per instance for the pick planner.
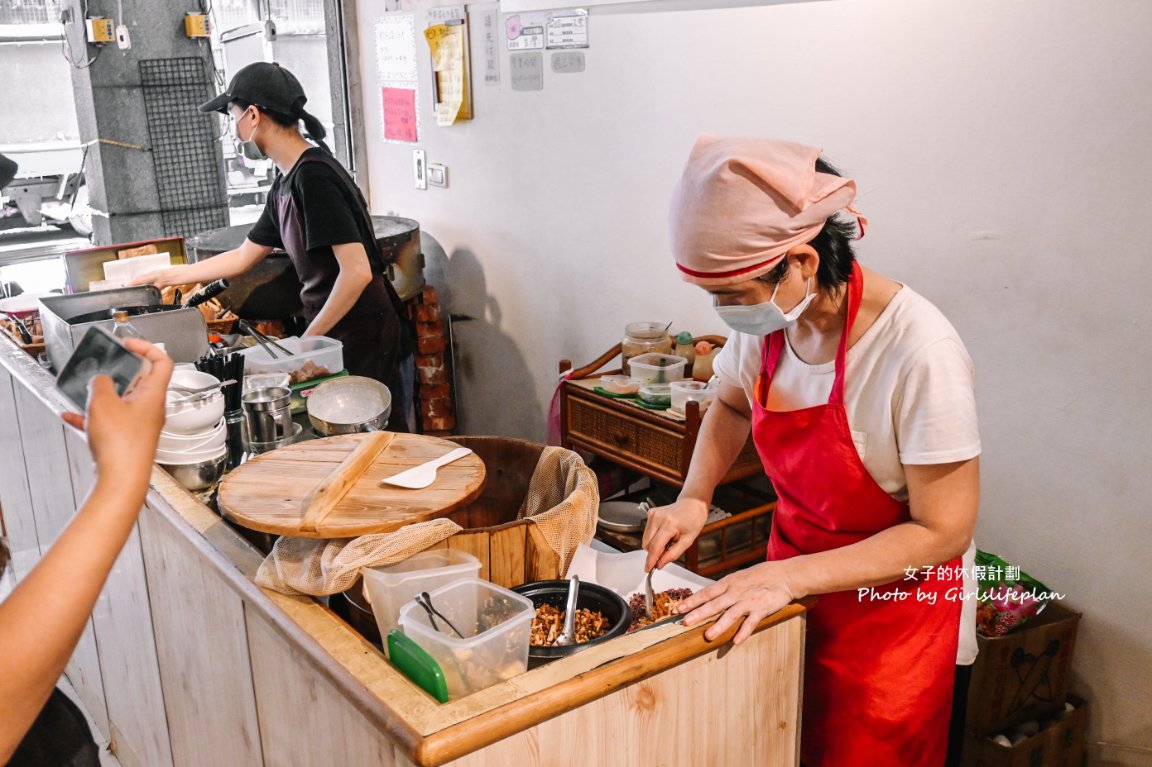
(349, 405)
(592, 596)
(198, 476)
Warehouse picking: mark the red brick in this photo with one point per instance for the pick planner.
(445, 424)
(428, 295)
(432, 392)
(436, 408)
(431, 344)
(424, 329)
(431, 374)
(428, 312)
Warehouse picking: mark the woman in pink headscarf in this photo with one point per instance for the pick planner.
(859, 395)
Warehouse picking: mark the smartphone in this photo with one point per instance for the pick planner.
(99, 352)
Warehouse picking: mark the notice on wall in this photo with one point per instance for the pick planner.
(568, 62)
(490, 40)
(523, 37)
(447, 42)
(396, 77)
(399, 114)
(568, 29)
(551, 29)
(527, 71)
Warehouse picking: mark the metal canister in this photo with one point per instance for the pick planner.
(268, 415)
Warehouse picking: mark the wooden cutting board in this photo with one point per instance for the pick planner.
(269, 492)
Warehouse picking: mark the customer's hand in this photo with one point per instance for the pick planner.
(123, 431)
(671, 530)
(751, 594)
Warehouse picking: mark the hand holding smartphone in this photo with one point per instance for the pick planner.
(100, 352)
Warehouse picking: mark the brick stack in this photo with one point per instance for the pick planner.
(435, 410)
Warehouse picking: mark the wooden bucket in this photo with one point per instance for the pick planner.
(511, 551)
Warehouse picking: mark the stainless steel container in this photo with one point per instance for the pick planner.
(182, 331)
(268, 415)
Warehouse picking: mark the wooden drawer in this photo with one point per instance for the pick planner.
(647, 447)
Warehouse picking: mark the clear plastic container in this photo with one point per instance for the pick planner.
(495, 623)
(389, 587)
(658, 368)
(312, 357)
(642, 338)
(684, 392)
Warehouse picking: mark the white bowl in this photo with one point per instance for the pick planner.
(168, 458)
(174, 442)
(194, 417)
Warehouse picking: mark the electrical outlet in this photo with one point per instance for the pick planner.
(419, 169)
(123, 41)
(100, 30)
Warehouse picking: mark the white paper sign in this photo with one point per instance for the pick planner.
(490, 42)
(396, 48)
(568, 29)
(524, 34)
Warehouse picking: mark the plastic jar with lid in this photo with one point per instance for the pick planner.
(641, 338)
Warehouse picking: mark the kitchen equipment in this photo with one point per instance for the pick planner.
(253, 495)
(192, 416)
(417, 665)
(187, 393)
(306, 358)
(657, 368)
(129, 311)
(266, 343)
(593, 597)
(21, 306)
(335, 486)
(621, 516)
(425, 474)
(659, 395)
(619, 384)
(649, 595)
(643, 338)
(348, 405)
(206, 293)
(425, 601)
(271, 289)
(175, 442)
(391, 586)
(495, 623)
(85, 266)
(568, 633)
(199, 475)
(684, 392)
(267, 414)
(181, 330)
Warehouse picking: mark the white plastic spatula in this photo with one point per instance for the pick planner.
(424, 474)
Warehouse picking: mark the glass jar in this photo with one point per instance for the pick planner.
(641, 338)
(122, 328)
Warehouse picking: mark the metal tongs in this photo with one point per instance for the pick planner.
(425, 601)
(649, 597)
(267, 343)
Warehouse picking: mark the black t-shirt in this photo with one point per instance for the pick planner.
(309, 210)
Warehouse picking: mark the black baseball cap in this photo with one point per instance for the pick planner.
(268, 86)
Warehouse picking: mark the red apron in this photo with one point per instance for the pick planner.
(878, 669)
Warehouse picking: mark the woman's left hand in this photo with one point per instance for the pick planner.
(752, 594)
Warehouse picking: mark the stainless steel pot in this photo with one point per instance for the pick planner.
(349, 405)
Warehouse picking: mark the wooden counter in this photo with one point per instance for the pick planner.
(187, 662)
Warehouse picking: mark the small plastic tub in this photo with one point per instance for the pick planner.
(619, 384)
(684, 392)
(495, 623)
(657, 368)
(389, 587)
(312, 357)
(656, 394)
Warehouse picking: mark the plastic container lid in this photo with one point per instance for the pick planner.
(495, 623)
(654, 367)
(390, 587)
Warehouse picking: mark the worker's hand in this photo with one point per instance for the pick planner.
(751, 594)
(123, 431)
(161, 278)
(671, 530)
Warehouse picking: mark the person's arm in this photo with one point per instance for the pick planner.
(42, 619)
(355, 275)
(225, 265)
(943, 501)
(723, 431)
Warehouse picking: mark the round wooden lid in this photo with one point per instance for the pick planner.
(268, 493)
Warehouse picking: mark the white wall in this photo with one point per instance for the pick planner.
(1003, 152)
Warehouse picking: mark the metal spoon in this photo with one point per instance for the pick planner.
(568, 634)
(195, 394)
(649, 596)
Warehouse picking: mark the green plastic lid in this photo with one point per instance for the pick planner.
(417, 665)
(683, 337)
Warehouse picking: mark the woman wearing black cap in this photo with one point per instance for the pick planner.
(318, 216)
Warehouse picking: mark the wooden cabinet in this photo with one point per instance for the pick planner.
(658, 444)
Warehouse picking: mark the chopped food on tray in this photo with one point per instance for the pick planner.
(549, 623)
(664, 606)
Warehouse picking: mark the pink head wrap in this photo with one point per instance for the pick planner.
(741, 204)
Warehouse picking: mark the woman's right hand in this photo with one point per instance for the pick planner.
(672, 529)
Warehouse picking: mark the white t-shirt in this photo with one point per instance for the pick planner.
(910, 397)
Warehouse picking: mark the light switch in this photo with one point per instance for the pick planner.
(438, 174)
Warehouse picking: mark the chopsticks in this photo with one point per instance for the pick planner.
(225, 368)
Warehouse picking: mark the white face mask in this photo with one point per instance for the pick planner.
(764, 319)
(245, 147)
